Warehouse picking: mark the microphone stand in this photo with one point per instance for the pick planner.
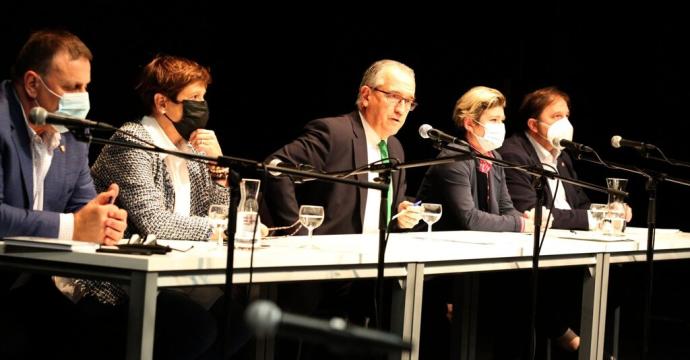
(644, 152)
(84, 135)
(541, 175)
(653, 180)
(669, 161)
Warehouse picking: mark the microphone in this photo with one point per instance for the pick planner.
(265, 318)
(296, 178)
(41, 116)
(618, 142)
(565, 143)
(428, 132)
(280, 163)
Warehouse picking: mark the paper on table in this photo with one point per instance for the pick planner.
(50, 243)
(594, 236)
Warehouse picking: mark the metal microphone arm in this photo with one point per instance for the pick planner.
(669, 161)
(538, 171)
(647, 173)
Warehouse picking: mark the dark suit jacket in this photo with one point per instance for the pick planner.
(519, 150)
(329, 144)
(454, 186)
(68, 185)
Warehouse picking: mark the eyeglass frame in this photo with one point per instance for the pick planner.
(391, 96)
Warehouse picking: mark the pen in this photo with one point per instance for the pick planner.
(419, 202)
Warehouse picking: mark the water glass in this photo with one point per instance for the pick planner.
(431, 213)
(311, 217)
(218, 217)
(616, 215)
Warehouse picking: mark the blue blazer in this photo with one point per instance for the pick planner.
(68, 185)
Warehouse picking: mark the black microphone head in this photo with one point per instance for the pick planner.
(556, 142)
(616, 141)
(424, 130)
(263, 317)
(38, 115)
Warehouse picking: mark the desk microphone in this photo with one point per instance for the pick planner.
(41, 116)
(265, 318)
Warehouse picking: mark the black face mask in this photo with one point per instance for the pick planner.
(194, 116)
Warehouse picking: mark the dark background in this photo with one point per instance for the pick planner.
(275, 67)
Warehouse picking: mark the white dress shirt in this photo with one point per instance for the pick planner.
(547, 158)
(370, 223)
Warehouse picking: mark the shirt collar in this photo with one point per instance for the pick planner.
(51, 137)
(157, 134)
(545, 156)
(373, 139)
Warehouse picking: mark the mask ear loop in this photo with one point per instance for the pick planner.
(538, 133)
(35, 99)
(48, 88)
(162, 111)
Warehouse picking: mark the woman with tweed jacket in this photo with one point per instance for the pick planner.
(163, 194)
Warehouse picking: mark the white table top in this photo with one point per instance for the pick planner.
(358, 252)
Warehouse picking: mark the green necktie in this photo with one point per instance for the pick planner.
(383, 148)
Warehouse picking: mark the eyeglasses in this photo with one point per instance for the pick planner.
(395, 99)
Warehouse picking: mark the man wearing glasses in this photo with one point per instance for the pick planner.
(350, 141)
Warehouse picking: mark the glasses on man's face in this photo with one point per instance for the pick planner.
(395, 99)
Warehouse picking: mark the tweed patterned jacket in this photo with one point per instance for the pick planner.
(146, 189)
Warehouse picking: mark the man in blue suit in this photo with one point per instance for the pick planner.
(46, 190)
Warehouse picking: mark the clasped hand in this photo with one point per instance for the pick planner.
(100, 221)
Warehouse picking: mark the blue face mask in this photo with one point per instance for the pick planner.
(73, 104)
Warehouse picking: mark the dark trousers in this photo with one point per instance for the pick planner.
(39, 322)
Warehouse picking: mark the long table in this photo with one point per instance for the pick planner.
(410, 257)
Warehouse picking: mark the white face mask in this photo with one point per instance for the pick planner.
(72, 103)
(561, 129)
(494, 134)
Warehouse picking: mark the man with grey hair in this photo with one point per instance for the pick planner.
(366, 135)
(386, 96)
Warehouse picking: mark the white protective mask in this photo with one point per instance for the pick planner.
(72, 103)
(494, 134)
(561, 129)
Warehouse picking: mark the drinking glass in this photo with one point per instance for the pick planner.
(598, 212)
(431, 214)
(218, 217)
(311, 217)
(616, 211)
